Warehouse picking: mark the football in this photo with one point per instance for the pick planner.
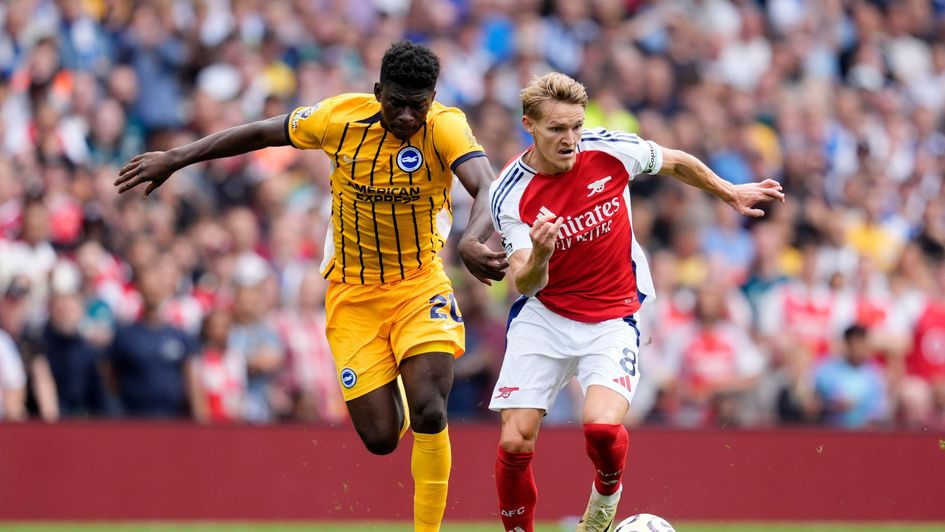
(644, 523)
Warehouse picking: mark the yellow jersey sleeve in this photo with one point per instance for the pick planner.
(454, 139)
(305, 127)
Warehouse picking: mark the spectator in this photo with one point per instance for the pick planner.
(219, 373)
(67, 363)
(102, 288)
(31, 259)
(795, 401)
(874, 235)
(156, 55)
(767, 270)
(12, 381)
(727, 239)
(475, 372)
(15, 307)
(851, 387)
(566, 33)
(257, 342)
(716, 363)
(111, 140)
(923, 389)
(151, 361)
(309, 376)
(801, 317)
(82, 42)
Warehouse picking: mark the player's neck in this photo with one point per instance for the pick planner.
(535, 161)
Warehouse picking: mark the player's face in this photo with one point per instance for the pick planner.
(556, 135)
(403, 111)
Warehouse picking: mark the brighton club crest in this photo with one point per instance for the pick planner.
(348, 378)
(409, 159)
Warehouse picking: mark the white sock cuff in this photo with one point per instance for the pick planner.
(606, 499)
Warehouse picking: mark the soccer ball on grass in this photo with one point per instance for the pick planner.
(644, 523)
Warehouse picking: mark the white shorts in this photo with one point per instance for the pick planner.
(544, 350)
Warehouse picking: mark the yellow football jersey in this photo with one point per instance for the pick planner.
(391, 209)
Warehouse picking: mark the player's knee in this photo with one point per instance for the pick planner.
(517, 442)
(380, 444)
(603, 435)
(429, 418)
(517, 445)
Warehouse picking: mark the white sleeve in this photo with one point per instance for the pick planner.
(748, 358)
(771, 312)
(12, 375)
(638, 156)
(673, 349)
(843, 313)
(905, 313)
(506, 219)
(514, 235)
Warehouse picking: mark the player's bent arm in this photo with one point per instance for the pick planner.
(476, 175)
(486, 265)
(232, 141)
(529, 273)
(529, 266)
(690, 170)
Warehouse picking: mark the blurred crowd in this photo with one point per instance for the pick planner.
(205, 300)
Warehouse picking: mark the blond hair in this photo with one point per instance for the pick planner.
(552, 87)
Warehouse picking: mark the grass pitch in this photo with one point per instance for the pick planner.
(463, 527)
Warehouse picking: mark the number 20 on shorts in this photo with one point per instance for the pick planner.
(438, 302)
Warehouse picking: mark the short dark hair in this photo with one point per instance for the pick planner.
(410, 65)
(854, 331)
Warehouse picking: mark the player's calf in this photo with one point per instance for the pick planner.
(516, 488)
(607, 448)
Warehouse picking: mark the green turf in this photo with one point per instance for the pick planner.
(470, 527)
(815, 527)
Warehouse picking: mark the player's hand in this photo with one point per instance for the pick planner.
(543, 233)
(750, 194)
(485, 264)
(153, 168)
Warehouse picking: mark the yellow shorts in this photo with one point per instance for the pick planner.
(371, 328)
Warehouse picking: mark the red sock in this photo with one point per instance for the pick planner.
(607, 446)
(517, 491)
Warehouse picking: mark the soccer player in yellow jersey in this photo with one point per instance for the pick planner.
(391, 310)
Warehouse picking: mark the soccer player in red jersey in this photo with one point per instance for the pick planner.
(563, 210)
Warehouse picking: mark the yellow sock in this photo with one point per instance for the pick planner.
(430, 465)
(403, 399)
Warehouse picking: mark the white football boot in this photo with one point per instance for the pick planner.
(601, 512)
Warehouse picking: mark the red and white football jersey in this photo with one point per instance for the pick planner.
(927, 358)
(810, 315)
(598, 270)
(707, 356)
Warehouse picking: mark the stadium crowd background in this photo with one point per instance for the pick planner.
(205, 300)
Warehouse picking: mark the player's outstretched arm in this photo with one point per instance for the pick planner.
(156, 166)
(476, 175)
(529, 267)
(742, 198)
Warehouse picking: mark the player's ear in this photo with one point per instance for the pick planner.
(528, 125)
(377, 90)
